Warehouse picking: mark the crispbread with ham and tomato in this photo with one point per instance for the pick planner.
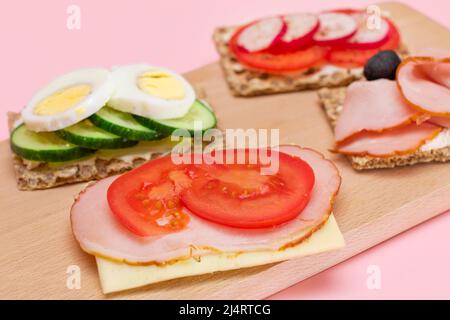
(301, 55)
(385, 123)
(163, 220)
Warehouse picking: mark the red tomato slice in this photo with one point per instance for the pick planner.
(351, 58)
(237, 195)
(150, 200)
(278, 63)
(145, 200)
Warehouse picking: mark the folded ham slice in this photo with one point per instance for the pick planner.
(424, 81)
(402, 140)
(99, 233)
(440, 121)
(372, 106)
(437, 71)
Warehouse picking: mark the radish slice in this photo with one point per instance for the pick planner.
(261, 35)
(368, 38)
(335, 28)
(299, 34)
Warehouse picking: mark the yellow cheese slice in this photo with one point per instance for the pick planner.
(120, 276)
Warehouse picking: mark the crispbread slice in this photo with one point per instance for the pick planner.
(35, 176)
(245, 82)
(332, 101)
(32, 175)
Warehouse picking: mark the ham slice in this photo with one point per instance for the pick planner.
(425, 82)
(402, 140)
(99, 233)
(372, 106)
(440, 121)
(437, 72)
(436, 65)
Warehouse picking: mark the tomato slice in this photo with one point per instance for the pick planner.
(146, 200)
(278, 63)
(351, 58)
(150, 200)
(237, 195)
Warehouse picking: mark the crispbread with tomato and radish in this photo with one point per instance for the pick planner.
(93, 123)
(164, 221)
(302, 51)
(399, 115)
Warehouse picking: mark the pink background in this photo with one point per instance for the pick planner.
(36, 46)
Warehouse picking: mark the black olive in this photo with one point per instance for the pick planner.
(383, 65)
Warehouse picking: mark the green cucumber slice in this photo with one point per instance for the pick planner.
(199, 111)
(86, 135)
(44, 146)
(122, 124)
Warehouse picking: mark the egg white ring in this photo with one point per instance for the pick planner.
(128, 97)
(102, 88)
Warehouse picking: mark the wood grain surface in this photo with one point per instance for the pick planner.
(37, 246)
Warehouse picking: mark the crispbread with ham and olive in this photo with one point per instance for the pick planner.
(385, 124)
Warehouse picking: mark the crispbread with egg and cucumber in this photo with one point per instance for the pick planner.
(400, 116)
(93, 123)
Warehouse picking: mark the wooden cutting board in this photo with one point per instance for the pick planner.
(37, 246)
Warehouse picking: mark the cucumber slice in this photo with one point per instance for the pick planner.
(199, 111)
(44, 146)
(86, 135)
(122, 124)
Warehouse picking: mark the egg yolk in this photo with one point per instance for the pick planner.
(162, 85)
(62, 100)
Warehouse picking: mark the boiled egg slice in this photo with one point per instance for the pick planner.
(151, 92)
(68, 99)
